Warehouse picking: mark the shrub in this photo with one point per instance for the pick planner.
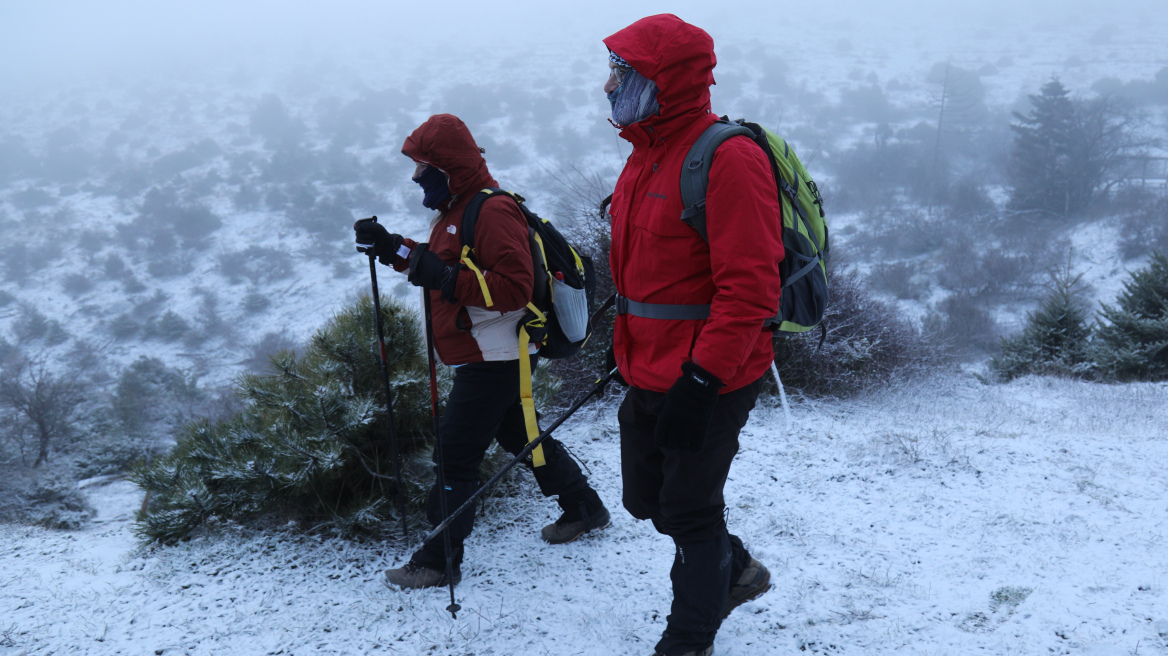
(901, 279)
(311, 441)
(258, 264)
(866, 344)
(1145, 230)
(585, 224)
(47, 501)
(31, 325)
(38, 406)
(170, 327)
(962, 325)
(149, 403)
(76, 284)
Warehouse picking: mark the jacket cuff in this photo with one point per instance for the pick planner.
(401, 264)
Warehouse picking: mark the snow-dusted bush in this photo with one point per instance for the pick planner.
(901, 279)
(581, 218)
(312, 441)
(1132, 339)
(1145, 229)
(38, 407)
(46, 501)
(875, 172)
(962, 324)
(867, 344)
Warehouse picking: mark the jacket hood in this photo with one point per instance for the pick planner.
(445, 142)
(678, 57)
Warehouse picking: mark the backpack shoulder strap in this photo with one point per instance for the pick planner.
(470, 215)
(695, 170)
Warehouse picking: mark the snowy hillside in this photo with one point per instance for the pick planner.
(182, 186)
(950, 518)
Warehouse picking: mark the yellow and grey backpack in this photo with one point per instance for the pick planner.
(557, 316)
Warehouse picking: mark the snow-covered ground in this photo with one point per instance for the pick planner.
(947, 517)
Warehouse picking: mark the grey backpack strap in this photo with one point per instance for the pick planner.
(661, 310)
(695, 171)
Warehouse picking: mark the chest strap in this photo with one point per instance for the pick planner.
(662, 310)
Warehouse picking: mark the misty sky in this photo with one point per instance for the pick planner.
(69, 39)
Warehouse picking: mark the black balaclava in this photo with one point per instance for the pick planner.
(435, 187)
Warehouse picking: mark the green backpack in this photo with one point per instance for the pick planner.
(804, 268)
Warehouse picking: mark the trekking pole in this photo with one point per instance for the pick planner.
(519, 457)
(401, 504)
(453, 608)
(782, 393)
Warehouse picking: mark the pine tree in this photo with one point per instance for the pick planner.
(311, 442)
(1040, 162)
(1132, 341)
(1067, 152)
(1056, 340)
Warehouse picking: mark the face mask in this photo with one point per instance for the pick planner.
(634, 100)
(434, 186)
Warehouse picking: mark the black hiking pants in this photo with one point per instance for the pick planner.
(681, 493)
(483, 406)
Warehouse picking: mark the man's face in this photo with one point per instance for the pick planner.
(616, 77)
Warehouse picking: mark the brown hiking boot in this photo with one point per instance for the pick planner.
(565, 530)
(583, 512)
(755, 580)
(413, 576)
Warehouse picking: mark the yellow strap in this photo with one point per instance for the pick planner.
(540, 319)
(526, 399)
(474, 267)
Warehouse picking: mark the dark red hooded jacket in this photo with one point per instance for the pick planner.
(656, 258)
(471, 329)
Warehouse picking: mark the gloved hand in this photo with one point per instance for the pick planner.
(688, 409)
(372, 237)
(429, 271)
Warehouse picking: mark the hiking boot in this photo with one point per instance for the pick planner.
(583, 511)
(708, 651)
(414, 576)
(755, 580)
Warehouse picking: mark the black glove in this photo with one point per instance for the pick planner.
(374, 239)
(688, 409)
(429, 271)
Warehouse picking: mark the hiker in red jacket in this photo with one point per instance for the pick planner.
(693, 381)
(475, 312)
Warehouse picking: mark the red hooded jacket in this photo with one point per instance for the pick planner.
(655, 258)
(471, 329)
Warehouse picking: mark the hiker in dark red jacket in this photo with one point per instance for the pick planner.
(693, 381)
(475, 312)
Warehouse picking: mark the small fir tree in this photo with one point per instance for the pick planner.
(1056, 340)
(1132, 341)
(311, 442)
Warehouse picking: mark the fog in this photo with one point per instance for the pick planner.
(68, 40)
(201, 163)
